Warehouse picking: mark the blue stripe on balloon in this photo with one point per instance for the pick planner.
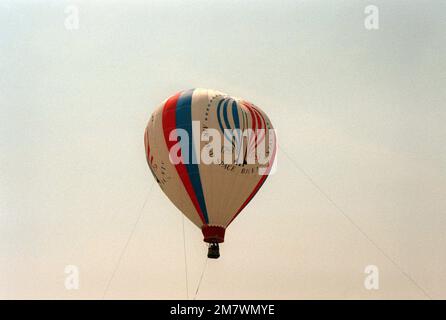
(237, 126)
(184, 121)
(235, 115)
(218, 114)
(225, 116)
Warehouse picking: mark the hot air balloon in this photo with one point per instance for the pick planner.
(188, 159)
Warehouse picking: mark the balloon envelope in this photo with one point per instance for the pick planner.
(180, 141)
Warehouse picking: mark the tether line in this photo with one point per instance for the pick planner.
(358, 228)
(201, 278)
(127, 242)
(185, 261)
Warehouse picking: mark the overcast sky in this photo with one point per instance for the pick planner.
(360, 116)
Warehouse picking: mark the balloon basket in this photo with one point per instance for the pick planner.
(213, 250)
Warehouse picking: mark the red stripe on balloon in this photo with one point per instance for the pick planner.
(252, 143)
(261, 134)
(169, 123)
(146, 142)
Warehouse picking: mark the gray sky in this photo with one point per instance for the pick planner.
(360, 116)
